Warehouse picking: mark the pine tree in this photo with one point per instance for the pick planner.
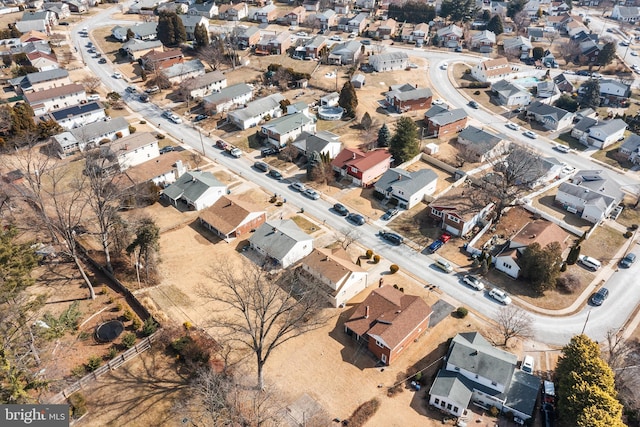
(404, 144)
(384, 136)
(348, 99)
(495, 25)
(166, 29)
(22, 119)
(179, 33)
(201, 34)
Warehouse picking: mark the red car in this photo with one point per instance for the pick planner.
(221, 144)
(445, 237)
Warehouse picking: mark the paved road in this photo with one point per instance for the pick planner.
(625, 292)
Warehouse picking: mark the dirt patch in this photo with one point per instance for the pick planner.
(603, 244)
(630, 215)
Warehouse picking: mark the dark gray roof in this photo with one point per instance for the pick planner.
(310, 142)
(76, 110)
(523, 392)
(228, 93)
(547, 110)
(482, 140)
(192, 185)
(632, 143)
(593, 186)
(409, 182)
(434, 111)
(184, 68)
(447, 116)
(506, 88)
(257, 107)
(454, 386)
(42, 76)
(278, 237)
(584, 124)
(408, 95)
(96, 129)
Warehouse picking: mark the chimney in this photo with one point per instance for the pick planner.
(366, 312)
(399, 177)
(353, 156)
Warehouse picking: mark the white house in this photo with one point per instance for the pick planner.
(408, 188)
(179, 72)
(256, 111)
(58, 97)
(131, 150)
(323, 142)
(228, 98)
(82, 136)
(599, 133)
(511, 94)
(390, 61)
(197, 189)
(281, 242)
(287, 128)
(549, 116)
(492, 70)
(476, 372)
(77, 115)
(205, 84)
(342, 279)
(591, 194)
(625, 13)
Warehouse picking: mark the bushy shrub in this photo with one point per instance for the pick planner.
(368, 254)
(493, 411)
(104, 290)
(128, 340)
(143, 122)
(93, 363)
(627, 234)
(118, 134)
(149, 326)
(119, 306)
(136, 324)
(113, 352)
(78, 371)
(160, 136)
(394, 268)
(376, 258)
(128, 315)
(462, 312)
(569, 283)
(187, 325)
(132, 129)
(364, 413)
(78, 405)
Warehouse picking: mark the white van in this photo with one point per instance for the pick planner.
(444, 265)
(527, 364)
(590, 263)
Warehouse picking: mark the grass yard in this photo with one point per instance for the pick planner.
(603, 244)
(629, 215)
(612, 157)
(567, 139)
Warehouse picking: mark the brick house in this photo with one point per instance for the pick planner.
(362, 167)
(388, 320)
(441, 121)
(158, 59)
(230, 218)
(405, 97)
(458, 211)
(249, 37)
(273, 45)
(296, 16)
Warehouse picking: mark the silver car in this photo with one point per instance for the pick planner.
(473, 281)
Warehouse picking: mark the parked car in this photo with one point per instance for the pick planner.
(93, 97)
(393, 238)
(340, 209)
(261, 166)
(355, 218)
(437, 244)
(473, 281)
(301, 34)
(562, 148)
(167, 149)
(311, 193)
(390, 213)
(200, 117)
(298, 186)
(365, 42)
(528, 364)
(513, 126)
(530, 134)
(172, 117)
(599, 297)
(629, 259)
(268, 151)
(336, 38)
(153, 89)
(221, 144)
(437, 101)
(474, 104)
(500, 296)
(275, 175)
(144, 97)
(235, 152)
(131, 89)
(444, 265)
(102, 61)
(117, 75)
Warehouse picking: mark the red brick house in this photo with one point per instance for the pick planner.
(406, 97)
(362, 167)
(230, 217)
(388, 320)
(441, 121)
(458, 211)
(158, 59)
(297, 16)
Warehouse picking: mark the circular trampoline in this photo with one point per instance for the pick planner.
(330, 113)
(109, 331)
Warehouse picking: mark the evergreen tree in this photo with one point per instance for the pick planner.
(404, 144)
(572, 258)
(22, 119)
(541, 265)
(166, 29)
(458, 10)
(180, 34)
(384, 136)
(201, 34)
(348, 99)
(514, 7)
(591, 94)
(607, 54)
(366, 121)
(495, 25)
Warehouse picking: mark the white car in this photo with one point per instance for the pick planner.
(500, 296)
(336, 38)
(530, 134)
(311, 193)
(301, 34)
(562, 148)
(567, 170)
(473, 281)
(513, 126)
(298, 186)
(93, 98)
(117, 75)
(235, 152)
(438, 102)
(172, 116)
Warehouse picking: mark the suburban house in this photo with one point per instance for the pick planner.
(312, 5)
(44, 101)
(141, 31)
(248, 37)
(256, 110)
(281, 242)
(156, 60)
(296, 16)
(417, 34)
(128, 151)
(390, 61)
(314, 48)
(539, 231)
(161, 171)
(345, 53)
(43, 61)
(625, 13)
(407, 188)
(518, 46)
(511, 94)
(342, 7)
(450, 36)
(492, 70)
(77, 115)
(358, 23)
(266, 14)
(136, 49)
(231, 218)
(613, 92)
(484, 40)
(459, 210)
(323, 142)
(327, 18)
(549, 116)
(270, 44)
(389, 321)
(61, 10)
(591, 194)
(599, 133)
(191, 21)
(547, 91)
(590, 50)
(233, 12)
(340, 277)
(205, 84)
(475, 371)
(177, 73)
(383, 29)
(287, 128)
(41, 80)
(631, 149)
(480, 145)
(547, 170)
(441, 121)
(209, 10)
(563, 84)
(42, 21)
(358, 80)
(197, 189)
(362, 166)
(330, 99)
(406, 97)
(228, 98)
(78, 138)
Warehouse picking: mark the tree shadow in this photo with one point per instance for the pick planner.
(353, 352)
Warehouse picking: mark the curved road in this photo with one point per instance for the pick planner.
(625, 292)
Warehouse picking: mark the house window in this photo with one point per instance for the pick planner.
(449, 406)
(456, 409)
(436, 401)
(504, 264)
(379, 344)
(454, 219)
(443, 403)
(436, 212)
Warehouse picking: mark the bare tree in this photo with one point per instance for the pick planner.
(521, 20)
(624, 359)
(513, 322)
(551, 36)
(263, 312)
(91, 83)
(569, 51)
(213, 54)
(347, 236)
(56, 39)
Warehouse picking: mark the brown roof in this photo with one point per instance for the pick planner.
(360, 159)
(332, 264)
(158, 55)
(465, 202)
(227, 213)
(542, 232)
(33, 34)
(393, 315)
(150, 169)
(54, 92)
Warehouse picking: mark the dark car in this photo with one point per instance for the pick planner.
(144, 98)
(268, 151)
(582, 73)
(102, 61)
(261, 166)
(393, 238)
(628, 260)
(66, 24)
(474, 104)
(275, 174)
(340, 209)
(434, 246)
(167, 149)
(200, 117)
(222, 145)
(356, 219)
(599, 297)
(390, 213)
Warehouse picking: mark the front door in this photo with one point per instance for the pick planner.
(383, 357)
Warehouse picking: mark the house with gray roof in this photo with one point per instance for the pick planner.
(205, 84)
(590, 194)
(563, 84)
(518, 45)
(406, 97)
(599, 133)
(138, 48)
(191, 21)
(41, 80)
(547, 91)
(281, 242)
(549, 116)
(323, 142)
(209, 9)
(256, 111)
(613, 92)
(77, 115)
(441, 121)
(179, 72)
(479, 145)
(141, 31)
(345, 53)
(78, 138)
(625, 13)
(407, 188)
(287, 128)
(631, 149)
(389, 61)
(511, 94)
(197, 189)
(475, 371)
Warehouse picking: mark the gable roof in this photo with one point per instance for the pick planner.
(522, 392)
(412, 94)
(542, 109)
(135, 45)
(228, 93)
(228, 212)
(393, 315)
(278, 237)
(257, 107)
(631, 144)
(131, 142)
(359, 159)
(149, 169)
(192, 185)
(207, 78)
(334, 264)
(507, 89)
(184, 68)
(76, 110)
(481, 140)
(310, 142)
(461, 201)
(409, 182)
(287, 123)
(542, 232)
(96, 129)
(55, 92)
(609, 127)
(447, 116)
(42, 76)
